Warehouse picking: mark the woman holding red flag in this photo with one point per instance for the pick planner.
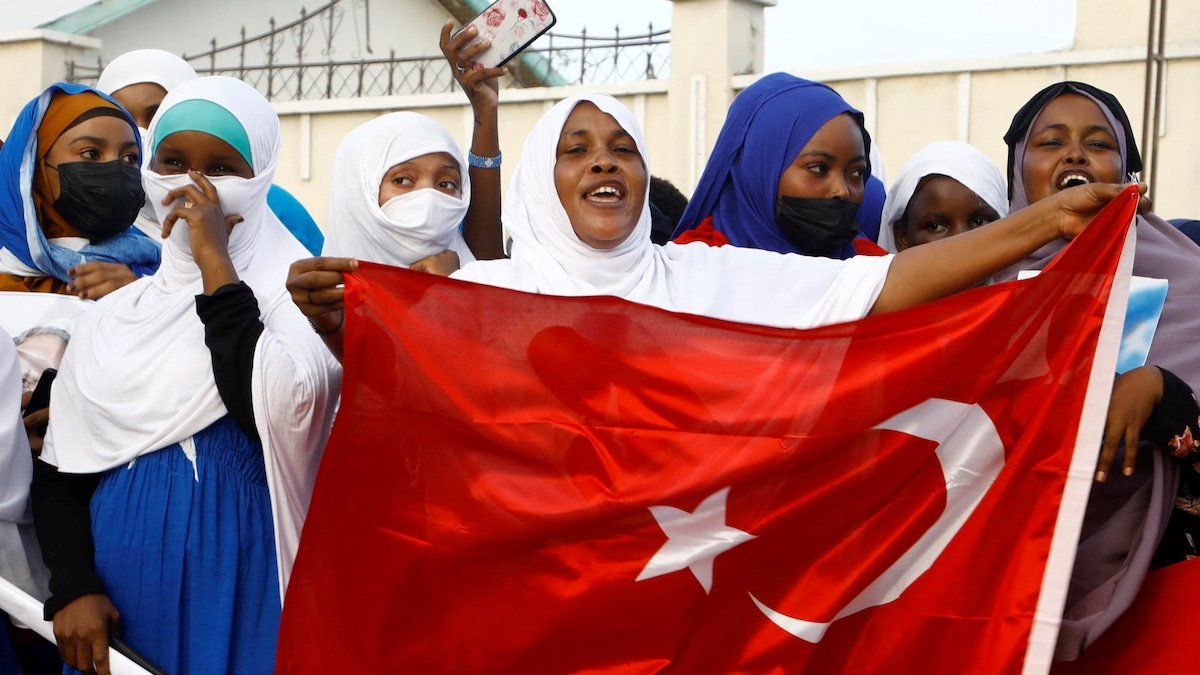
(577, 211)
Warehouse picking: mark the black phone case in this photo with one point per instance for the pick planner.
(40, 399)
(510, 57)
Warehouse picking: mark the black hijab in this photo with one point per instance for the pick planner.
(1029, 112)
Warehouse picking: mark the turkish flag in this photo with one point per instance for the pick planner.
(532, 484)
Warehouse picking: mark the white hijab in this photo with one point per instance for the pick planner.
(431, 220)
(953, 159)
(137, 376)
(737, 284)
(139, 66)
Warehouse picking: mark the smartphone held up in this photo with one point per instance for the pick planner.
(510, 26)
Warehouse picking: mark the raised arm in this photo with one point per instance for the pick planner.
(481, 230)
(944, 267)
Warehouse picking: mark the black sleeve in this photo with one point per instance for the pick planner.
(1175, 422)
(231, 331)
(62, 519)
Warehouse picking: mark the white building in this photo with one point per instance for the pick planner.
(679, 85)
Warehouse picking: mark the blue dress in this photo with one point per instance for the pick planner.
(187, 554)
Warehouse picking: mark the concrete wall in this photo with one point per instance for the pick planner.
(29, 62)
(916, 104)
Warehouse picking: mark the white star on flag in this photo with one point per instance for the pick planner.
(694, 539)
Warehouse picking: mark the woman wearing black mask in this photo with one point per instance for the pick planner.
(788, 173)
(82, 152)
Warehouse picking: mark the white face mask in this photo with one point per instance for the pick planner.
(423, 221)
(147, 212)
(238, 196)
(157, 187)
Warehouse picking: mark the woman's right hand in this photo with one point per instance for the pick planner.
(316, 286)
(82, 629)
(200, 205)
(1072, 209)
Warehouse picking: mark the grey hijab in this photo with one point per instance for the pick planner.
(1125, 517)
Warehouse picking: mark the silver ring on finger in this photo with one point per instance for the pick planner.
(188, 205)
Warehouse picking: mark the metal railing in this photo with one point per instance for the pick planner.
(297, 60)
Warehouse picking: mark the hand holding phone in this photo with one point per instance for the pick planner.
(481, 85)
(509, 26)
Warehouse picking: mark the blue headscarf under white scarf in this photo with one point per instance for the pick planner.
(768, 124)
(23, 244)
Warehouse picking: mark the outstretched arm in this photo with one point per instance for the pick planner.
(944, 267)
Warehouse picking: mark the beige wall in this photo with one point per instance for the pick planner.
(29, 62)
(976, 103)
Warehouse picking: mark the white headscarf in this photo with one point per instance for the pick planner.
(431, 221)
(20, 560)
(953, 159)
(145, 65)
(737, 284)
(137, 376)
(153, 66)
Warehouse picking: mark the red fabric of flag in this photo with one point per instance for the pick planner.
(533, 484)
(1154, 635)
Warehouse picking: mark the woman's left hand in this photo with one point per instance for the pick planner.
(92, 281)
(442, 264)
(481, 85)
(1073, 209)
(1133, 399)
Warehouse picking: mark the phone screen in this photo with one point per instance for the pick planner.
(511, 25)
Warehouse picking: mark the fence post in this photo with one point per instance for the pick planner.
(711, 41)
(271, 59)
(302, 26)
(392, 73)
(650, 51)
(242, 56)
(617, 50)
(583, 55)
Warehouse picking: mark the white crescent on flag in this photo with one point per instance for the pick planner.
(971, 455)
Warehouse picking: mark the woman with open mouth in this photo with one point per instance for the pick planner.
(1071, 134)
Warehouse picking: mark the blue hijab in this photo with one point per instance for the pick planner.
(20, 231)
(768, 124)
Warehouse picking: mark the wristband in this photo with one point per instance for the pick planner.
(484, 162)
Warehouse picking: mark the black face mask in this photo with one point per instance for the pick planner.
(819, 227)
(99, 199)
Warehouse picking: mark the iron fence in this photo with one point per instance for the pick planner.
(297, 60)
